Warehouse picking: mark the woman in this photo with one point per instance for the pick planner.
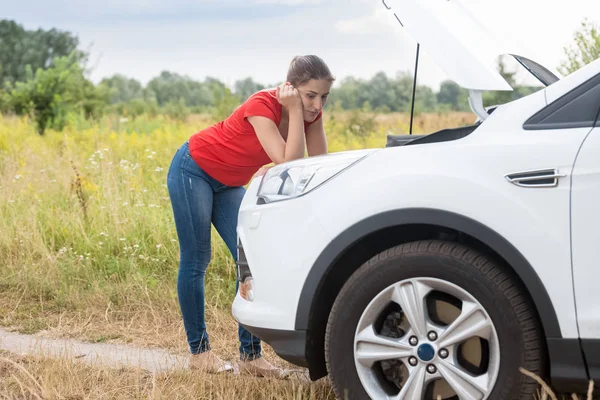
(206, 185)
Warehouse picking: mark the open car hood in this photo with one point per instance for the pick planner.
(459, 44)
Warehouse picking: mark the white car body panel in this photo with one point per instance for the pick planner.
(585, 216)
(542, 215)
(283, 262)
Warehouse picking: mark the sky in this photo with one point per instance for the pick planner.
(235, 39)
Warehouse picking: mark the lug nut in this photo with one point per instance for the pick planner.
(413, 341)
(432, 336)
(413, 361)
(443, 353)
(431, 369)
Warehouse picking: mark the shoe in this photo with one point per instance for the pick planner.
(262, 368)
(209, 362)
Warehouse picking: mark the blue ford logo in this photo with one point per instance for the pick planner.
(426, 352)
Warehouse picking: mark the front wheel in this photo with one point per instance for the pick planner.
(432, 320)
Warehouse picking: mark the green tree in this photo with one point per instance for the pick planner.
(452, 97)
(225, 101)
(122, 89)
(170, 88)
(39, 49)
(246, 87)
(51, 94)
(585, 49)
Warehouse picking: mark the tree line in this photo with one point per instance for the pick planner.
(44, 74)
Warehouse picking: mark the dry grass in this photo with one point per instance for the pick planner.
(28, 377)
(60, 378)
(546, 392)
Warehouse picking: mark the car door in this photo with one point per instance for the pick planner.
(585, 239)
(585, 227)
(585, 214)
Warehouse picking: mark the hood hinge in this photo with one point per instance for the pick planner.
(476, 103)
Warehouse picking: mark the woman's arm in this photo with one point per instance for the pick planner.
(316, 141)
(268, 133)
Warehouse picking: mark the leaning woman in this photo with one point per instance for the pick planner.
(206, 182)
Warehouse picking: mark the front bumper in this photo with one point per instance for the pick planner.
(279, 243)
(289, 345)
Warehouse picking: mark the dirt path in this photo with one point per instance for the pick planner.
(154, 360)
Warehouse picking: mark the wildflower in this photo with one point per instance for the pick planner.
(122, 239)
(158, 246)
(17, 177)
(158, 169)
(125, 204)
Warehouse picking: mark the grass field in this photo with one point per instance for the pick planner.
(88, 250)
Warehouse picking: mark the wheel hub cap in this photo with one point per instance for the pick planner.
(402, 348)
(426, 352)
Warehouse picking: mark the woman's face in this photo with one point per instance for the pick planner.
(314, 95)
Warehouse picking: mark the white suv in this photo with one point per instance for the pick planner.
(440, 264)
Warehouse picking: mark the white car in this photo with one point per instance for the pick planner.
(439, 264)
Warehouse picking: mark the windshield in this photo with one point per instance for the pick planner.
(541, 73)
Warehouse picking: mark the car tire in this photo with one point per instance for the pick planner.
(515, 338)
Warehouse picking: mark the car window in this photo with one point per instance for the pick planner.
(578, 108)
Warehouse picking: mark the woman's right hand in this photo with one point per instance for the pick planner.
(289, 97)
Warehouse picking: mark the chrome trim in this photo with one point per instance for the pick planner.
(522, 177)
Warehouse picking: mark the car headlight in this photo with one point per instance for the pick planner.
(296, 178)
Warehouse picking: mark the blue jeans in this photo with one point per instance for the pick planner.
(197, 201)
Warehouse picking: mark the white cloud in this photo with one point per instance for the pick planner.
(379, 21)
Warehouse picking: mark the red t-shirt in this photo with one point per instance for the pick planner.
(229, 150)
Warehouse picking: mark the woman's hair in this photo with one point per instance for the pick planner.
(304, 68)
